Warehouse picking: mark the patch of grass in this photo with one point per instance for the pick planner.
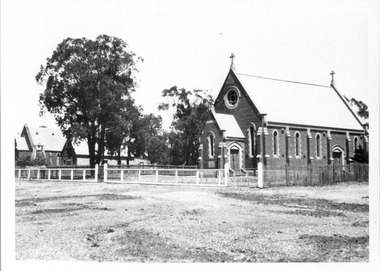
(54, 211)
(115, 197)
(193, 212)
(314, 213)
(32, 201)
(296, 202)
(146, 246)
(360, 223)
(337, 247)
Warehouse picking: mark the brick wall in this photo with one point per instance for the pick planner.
(245, 114)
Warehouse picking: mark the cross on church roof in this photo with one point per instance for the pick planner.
(332, 77)
(232, 58)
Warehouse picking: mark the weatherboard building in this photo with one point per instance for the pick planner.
(278, 122)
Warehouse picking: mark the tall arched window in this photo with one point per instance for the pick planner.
(275, 143)
(251, 140)
(356, 140)
(211, 140)
(297, 144)
(318, 145)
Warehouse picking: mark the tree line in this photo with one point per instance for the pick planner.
(88, 88)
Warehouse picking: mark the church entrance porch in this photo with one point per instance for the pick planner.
(234, 159)
(338, 155)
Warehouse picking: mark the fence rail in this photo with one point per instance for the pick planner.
(58, 174)
(266, 176)
(201, 177)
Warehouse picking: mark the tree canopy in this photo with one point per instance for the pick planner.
(88, 86)
(362, 108)
(191, 110)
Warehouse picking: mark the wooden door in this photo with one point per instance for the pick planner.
(234, 159)
(337, 156)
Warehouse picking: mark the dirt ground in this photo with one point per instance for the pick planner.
(142, 223)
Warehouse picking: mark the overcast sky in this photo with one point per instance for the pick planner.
(188, 44)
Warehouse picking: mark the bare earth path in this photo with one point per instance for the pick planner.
(133, 223)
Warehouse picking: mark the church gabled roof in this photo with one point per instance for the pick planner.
(299, 103)
(229, 124)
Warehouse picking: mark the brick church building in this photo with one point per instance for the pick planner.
(279, 122)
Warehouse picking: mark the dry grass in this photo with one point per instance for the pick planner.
(132, 223)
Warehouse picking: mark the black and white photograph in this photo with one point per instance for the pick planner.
(190, 134)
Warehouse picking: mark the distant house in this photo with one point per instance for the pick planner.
(46, 141)
(279, 122)
(57, 149)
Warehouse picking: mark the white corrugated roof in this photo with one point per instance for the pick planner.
(51, 139)
(21, 143)
(229, 124)
(298, 103)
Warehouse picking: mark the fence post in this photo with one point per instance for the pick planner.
(226, 168)
(49, 174)
(176, 176)
(72, 174)
(59, 174)
(139, 176)
(156, 175)
(96, 172)
(121, 175)
(84, 175)
(260, 175)
(219, 177)
(38, 174)
(197, 177)
(19, 173)
(105, 171)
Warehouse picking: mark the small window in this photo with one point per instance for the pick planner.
(251, 140)
(297, 144)
(211, 142)
(355, 143)
(275, 143)
(318, 145)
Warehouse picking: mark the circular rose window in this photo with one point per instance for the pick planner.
(232, 97)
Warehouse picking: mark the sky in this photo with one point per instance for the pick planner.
(188, 44)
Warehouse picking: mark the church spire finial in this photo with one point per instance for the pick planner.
(332, 77)
(232, 60)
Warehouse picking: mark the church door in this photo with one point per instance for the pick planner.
(234, 159)
(337, 156)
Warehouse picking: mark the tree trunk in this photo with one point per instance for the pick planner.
(119, 157)
(100, 155)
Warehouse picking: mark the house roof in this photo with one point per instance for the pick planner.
(51, 139)
(299, 103)
(21, 143)
(229, 124)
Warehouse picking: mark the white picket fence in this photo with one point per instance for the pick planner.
(58, 174)
(199, 177)
(155, 176)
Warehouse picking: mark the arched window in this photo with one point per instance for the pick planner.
(211, 140)
(251, 140)
(318, 145)
(297, 144)
(356, 140)
(275, 143)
